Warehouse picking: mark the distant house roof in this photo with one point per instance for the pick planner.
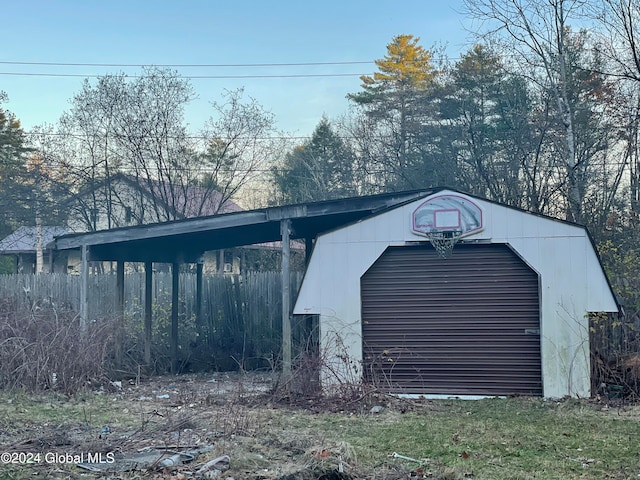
(188, 202)
(25, 239)
(196, 201)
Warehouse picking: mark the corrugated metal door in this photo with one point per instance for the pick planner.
(466, 325)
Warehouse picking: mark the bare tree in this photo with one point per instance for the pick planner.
(620, 43)
(86, 149)
(537, 33)
(621, 46)
(126, 148)
(241, 141)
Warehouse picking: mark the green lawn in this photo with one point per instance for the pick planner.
(514, 438)
(495, 439)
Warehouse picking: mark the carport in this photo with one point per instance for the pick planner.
(185, 241)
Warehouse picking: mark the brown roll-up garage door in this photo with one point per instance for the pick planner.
(466, 325)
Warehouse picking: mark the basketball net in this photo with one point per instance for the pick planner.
(444, 241)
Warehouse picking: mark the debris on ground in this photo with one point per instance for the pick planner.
(184, 427)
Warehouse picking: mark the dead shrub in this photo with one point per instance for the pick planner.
(631, 366)
(344, 388)
(615, 362)
(45, 349)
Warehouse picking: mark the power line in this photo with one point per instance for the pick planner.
(186, 137)
(192, 77)
(188, 65)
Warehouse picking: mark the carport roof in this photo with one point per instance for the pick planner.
(185, 240)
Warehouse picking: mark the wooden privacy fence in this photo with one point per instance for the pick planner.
(240, 318)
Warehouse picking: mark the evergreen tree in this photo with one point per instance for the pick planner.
(489, 113)
(396, 107)
(319, 169)
(13, 151)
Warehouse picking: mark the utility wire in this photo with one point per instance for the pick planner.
(186, 65)
(185, 137)
(189, 65)
(193, 77)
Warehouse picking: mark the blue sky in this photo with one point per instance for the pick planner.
(146, 32)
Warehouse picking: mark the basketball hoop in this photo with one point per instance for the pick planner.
(444, 241)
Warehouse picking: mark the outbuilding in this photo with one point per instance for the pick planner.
(453, 295)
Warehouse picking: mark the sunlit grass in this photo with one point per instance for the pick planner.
(496, 439)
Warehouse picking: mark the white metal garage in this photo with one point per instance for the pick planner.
(505, 313)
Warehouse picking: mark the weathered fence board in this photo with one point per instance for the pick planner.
(240, 313)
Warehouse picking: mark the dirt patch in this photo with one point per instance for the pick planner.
(201, 417)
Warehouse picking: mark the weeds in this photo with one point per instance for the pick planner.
(45, 349)
(615, 361)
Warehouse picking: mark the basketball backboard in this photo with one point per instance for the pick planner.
(447, 213)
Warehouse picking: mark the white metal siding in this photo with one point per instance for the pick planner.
(572, 284)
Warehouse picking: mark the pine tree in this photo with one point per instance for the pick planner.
(319, 169)
(13, 150)
(394, 103)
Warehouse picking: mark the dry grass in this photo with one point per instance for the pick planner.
(495, 439)
(45, 349)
